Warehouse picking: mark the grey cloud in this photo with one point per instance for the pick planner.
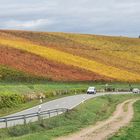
(32, 24)
(113, 17)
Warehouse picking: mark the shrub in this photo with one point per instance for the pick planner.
(18, 130)
(109, 89)
(11, 100)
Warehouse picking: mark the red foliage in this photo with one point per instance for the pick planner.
(39, 66)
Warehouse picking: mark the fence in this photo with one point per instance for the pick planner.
(32, 117)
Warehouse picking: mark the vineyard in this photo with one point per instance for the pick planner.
(71, 57)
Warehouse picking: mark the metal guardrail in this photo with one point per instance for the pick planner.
(39, 115)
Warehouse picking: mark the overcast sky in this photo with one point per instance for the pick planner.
(109, 17)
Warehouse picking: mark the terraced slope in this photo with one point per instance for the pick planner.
(71, 57)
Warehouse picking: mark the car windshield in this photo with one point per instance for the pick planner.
(91, 88)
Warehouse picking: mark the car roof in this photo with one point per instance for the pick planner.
(91, 87)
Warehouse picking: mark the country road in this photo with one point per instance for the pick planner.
(65, 102)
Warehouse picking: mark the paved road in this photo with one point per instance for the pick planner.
(65, 102)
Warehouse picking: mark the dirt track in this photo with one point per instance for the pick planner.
(104, 129)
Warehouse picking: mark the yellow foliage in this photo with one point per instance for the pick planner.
(120, 52)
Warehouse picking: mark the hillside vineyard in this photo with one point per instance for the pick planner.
(70, 57)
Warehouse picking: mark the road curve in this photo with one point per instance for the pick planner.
(68, 102)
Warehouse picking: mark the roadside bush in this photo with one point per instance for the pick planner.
(33, 96)
(11, 100)
(34, 127)
(30, 96)
(109, 89)
(64, 92)
(18, 130)
(50, 94)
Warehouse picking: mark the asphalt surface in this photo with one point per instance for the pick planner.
(65, 102)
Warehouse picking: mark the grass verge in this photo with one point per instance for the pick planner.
(46, 86)
(82, 116)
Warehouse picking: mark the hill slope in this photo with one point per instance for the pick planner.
(70, 57)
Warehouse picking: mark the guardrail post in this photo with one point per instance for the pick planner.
(57, 112)
(49, 114)
(65, 112)
(24, 117)
(6, 122)
(38, 114)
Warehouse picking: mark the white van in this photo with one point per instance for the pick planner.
(91, 90)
